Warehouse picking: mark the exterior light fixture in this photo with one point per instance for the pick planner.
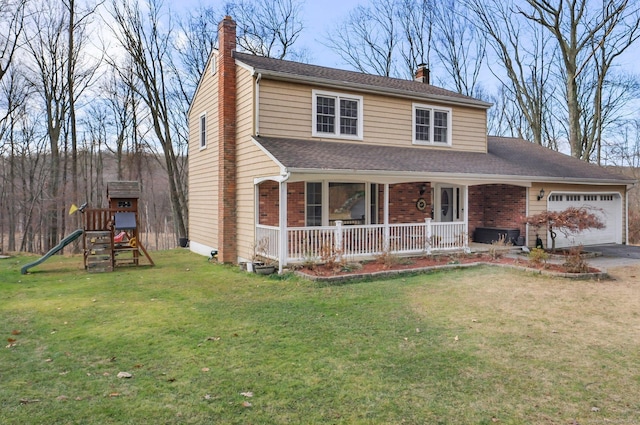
(423, 189)
(541, 194)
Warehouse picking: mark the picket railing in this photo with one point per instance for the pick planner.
(361, 241)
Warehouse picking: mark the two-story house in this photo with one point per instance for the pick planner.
(290, 161)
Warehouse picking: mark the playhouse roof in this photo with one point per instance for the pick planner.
(123, 189)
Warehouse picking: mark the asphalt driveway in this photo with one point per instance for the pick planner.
(614, 255)
(615, 250)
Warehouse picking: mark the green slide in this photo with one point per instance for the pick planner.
(66, 241)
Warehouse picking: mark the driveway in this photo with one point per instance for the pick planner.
(614, 255)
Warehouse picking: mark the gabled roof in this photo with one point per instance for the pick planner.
(332, 77)
(507, 159)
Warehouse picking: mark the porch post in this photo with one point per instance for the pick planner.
(387, 234)
(427, 222)
(466, 220)
(283, 249)
(338, 240)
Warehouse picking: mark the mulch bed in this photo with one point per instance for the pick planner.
(397, 265)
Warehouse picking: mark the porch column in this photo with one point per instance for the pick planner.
(387, 235)
(466, 220)
(283, 248)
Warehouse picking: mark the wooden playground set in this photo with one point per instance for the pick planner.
(110, 235)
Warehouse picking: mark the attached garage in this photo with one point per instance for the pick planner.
(607, 205)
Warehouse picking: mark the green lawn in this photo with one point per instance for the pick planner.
(207, 343)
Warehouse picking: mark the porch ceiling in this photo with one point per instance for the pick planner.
(515, 160)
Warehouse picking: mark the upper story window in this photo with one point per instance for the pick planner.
(203, 131)
(337, 115)
(431, 125)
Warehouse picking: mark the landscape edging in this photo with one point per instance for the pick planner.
(601, 275)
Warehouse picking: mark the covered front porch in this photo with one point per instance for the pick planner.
(320, 218)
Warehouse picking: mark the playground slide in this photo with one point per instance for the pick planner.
(66, 241)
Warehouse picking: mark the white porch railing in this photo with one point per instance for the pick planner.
(360, 241)
(268, 241)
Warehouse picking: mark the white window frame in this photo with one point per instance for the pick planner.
(336, 133)
(431, 109)
(203, 130)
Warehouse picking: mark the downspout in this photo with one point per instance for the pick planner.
(256, 120)
(626, 215)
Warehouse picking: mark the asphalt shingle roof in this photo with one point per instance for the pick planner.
(506, 157)
(351, 79)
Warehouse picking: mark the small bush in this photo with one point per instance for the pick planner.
(538, 257)
(387, 259)
(497, 247)
(575, 262)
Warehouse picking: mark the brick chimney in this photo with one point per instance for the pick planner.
(423, 74)
(227, 225)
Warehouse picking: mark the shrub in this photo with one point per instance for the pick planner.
(387, 259)
(496, 249)
(538, 257)
(575, 262)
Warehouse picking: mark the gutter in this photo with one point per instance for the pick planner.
(365, 88)
(459, 176)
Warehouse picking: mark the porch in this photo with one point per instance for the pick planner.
(359, 242)
(316, 220)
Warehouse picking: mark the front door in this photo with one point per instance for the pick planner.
(446, 204)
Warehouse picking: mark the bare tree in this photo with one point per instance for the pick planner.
(14, 93)
(525, 57)
(416, 20)
(367, 39)
(11, 26)
(200, 37)
(461, 47)
(46, 45)
(150, 51)
(268, 27)
(589, 35)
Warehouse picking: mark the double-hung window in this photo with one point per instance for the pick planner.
(431, 125)
(203, 131)
(314, 204)
(337, 115)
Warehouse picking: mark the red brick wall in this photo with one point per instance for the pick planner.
(268, 203)
(227, 234)
(296, 215)
(402, 203)
(497, 205)
(269, 200)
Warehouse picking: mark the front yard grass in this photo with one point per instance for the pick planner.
(206, 343)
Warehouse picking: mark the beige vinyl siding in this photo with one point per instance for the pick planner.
(252, 162)
(286, 111)
(536, 207)
(203, 164)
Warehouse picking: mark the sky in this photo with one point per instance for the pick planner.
(318, 17)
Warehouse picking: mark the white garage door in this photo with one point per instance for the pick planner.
(607, 205)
